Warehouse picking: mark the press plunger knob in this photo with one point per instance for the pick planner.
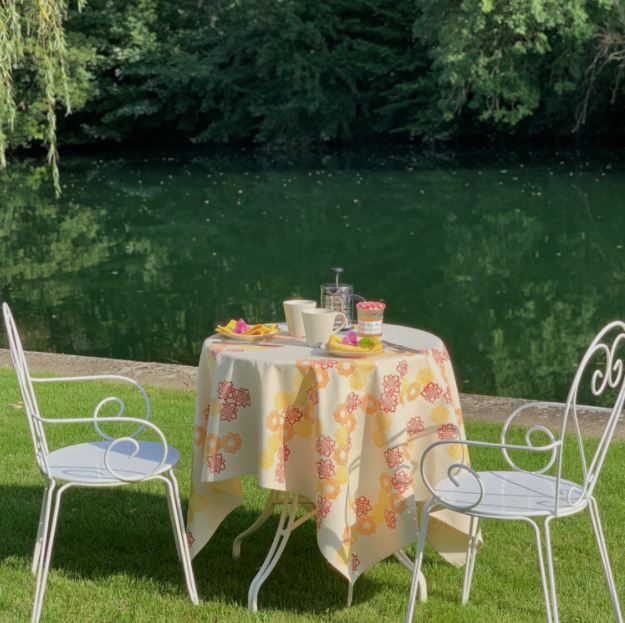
(338, 271)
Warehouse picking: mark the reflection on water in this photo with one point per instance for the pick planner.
(515, 261)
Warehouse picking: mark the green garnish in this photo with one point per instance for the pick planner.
(365, 342)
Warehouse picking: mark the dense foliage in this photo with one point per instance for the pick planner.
(296, 71)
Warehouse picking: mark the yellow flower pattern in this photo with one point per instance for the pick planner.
(362, 423)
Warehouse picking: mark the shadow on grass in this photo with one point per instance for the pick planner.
(127, 531)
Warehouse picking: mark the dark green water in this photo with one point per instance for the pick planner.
(514, 259)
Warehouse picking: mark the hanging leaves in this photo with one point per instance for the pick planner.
(39, 21)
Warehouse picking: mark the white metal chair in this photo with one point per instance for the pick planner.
(111, 462)
(524, 495)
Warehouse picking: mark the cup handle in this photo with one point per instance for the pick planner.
(343, 321)
(357, 296)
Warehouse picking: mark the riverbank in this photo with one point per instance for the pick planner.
(474, 407)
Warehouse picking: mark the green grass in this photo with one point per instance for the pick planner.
(115, 559)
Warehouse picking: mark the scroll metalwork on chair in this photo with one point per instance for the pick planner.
(525, 495)
(110, 462)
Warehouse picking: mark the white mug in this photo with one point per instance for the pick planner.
(319, 325)
(293, 312)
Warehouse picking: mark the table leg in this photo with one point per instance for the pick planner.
(403, 558)
(274, 499)
(285, 527)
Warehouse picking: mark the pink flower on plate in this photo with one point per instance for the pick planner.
(351, 338)
(241, 326)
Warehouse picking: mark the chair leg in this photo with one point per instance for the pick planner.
(552, 576)
(42, 530)
(403, 558)
(541, 566)
(274, 498)
(172, 510)
(605, 560)
(474, 530)
(423, 528)
(46, 555)
(180, 536)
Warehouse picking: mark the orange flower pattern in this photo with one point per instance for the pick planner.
(327, 408)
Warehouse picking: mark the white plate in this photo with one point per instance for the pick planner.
(350, 355)
(247, 338)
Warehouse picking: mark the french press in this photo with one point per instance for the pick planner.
(339, 297)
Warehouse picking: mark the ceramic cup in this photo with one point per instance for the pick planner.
(319, 325)
(293, 312)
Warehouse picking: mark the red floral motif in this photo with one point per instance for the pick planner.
(216, 463)
(207, 411)
(228, 411)
(447, 396)
(313, 395)
(325, 469)
(355, 562)
(325, 445)
(225, 389)
(388, 402)
(352, 402)
(447, 431)
(392, 383)
(402, 367)
(394, 456)
(415, 426)
(361, 506)
(431, 392)
(440, 356)
(389, 519)
(402, 480)
(190, 538)
(280, 472)
(292, 415)
(231, 399)
(323, 506)
(242, 398)
(283, 453)
(325, 364)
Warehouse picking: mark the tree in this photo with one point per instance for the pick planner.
(500, 58)
(31, 31)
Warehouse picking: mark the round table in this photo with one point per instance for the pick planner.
(346, 434)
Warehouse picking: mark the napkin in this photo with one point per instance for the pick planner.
(335, 344)
(258, 329)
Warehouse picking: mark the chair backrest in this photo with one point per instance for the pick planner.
(601, 370)
(26, 387)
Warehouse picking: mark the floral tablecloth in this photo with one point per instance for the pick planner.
(346, 433)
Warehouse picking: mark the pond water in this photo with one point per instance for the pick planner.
(515, 260)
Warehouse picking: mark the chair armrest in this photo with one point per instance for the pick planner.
(464, 466)
(539, 428)
(100, 377)
(539, 405)
(115, 441)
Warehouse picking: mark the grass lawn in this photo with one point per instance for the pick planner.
(115, 558)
